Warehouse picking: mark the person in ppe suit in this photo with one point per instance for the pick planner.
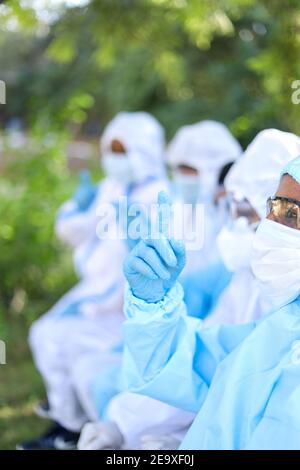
(200, 156)
(81, 334)
(242, 380)
(197, 155)
(227, 292)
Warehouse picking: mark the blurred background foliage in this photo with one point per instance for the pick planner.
(69, 66)
(231, 60)
(33, 183)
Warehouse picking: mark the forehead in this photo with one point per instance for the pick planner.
(117, 146)
(185, 167)
(288, 187)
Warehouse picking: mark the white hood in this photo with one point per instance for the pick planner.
(257, 173)
(144, 140)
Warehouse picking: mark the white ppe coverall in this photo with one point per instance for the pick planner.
(81, 335)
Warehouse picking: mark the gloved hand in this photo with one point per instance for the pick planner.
(85, 192)
(98, 436)
(155, 263)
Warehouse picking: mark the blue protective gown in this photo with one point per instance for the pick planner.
(242, 380)
(203, 288)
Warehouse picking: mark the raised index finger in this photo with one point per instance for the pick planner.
(163, 202)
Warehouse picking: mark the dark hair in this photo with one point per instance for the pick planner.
(223, 173)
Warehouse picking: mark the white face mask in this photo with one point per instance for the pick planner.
(118, 167)
(276, 262)
(188, 187)
(235, 244)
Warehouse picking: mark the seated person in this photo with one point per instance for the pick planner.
(242, 380)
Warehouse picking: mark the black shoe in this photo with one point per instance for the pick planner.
(57, 438)
(42, 409)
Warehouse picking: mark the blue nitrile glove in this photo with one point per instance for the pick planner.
(154, 265)
(85, 192)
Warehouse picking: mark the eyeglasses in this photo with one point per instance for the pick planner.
(285, 211)
(242, 208)
(233, 209)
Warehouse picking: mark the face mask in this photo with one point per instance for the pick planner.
(188, 187)
(118, 167)
(235, 244)
(276, 262)
(208, 185)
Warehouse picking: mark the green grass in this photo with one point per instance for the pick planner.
(20, 389)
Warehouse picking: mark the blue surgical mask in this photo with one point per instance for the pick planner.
(187, 187)
(118, 167)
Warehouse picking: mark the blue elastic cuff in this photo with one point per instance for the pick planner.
(167, 306)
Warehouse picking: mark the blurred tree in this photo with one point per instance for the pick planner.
(232, 60)
(277, 65)
(34, 181)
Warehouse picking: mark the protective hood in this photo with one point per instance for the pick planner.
(257, 173)
(292, 168)
(206, 146)
(143, 137)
